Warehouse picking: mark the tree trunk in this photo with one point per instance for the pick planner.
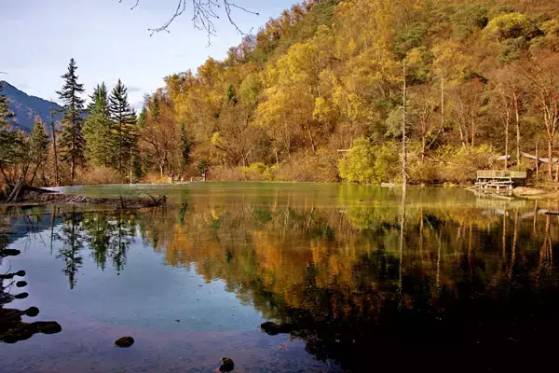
(550, 156)
(55, 150)
(517, 117)
(404, 145)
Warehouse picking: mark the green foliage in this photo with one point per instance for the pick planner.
(370, 164)
(97, 129)
(38, 144)
(469, 19)
(258, 171)
(123, 129)
(72, 140)
(512, 26)
(461, 163)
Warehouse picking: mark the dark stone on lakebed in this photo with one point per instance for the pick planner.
(48, 327)
(227, 365)
(271, 328)
(32, 311)
(9, 252)
(124, 342)
(21, 296)
(21, 284)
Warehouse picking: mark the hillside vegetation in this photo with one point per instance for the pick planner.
(327, 76)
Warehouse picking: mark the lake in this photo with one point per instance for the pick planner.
(281, 278)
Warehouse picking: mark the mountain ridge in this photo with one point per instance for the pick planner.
(27, 107)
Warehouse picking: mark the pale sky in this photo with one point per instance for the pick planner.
(110, 41)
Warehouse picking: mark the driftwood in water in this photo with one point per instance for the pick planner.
(19, 191)
(30, 195)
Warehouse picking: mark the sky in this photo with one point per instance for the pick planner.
(109, 41)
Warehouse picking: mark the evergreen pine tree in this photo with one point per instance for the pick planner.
(124, 132)
(5, 113)
(72, 140)
(7, 136)
(97, 129)
(38, 147)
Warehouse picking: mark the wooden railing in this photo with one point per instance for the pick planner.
(496, 174)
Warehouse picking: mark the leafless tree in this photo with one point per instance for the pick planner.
(204, 14)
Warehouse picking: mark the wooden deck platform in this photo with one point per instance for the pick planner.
(499, 181)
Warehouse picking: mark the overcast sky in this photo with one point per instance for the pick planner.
(110, 41)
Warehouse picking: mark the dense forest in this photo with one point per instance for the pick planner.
(327, 92)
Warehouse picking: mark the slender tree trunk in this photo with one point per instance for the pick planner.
(550, 155)
(507, 123)
(404, 139)
(55, 151)
(537, 161)
(517, 118)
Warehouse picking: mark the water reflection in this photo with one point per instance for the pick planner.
(12, 326)
(367, 271)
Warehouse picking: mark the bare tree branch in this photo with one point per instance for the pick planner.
(204, 14)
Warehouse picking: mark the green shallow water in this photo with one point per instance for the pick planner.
(354, 278)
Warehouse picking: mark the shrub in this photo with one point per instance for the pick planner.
(370, 164)
(320, 167)
(460, 164)
(257, 171)
(99, 175)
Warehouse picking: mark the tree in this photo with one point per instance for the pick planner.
(204, 13)
(545, 92)
(38, 148)
(123, 130)
(7, 137)
(72, 140)
(97, 129)
(186, 147)
(160, 140)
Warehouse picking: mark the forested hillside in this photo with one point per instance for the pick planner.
(328, 76)
(324, 93)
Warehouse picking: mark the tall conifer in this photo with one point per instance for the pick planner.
(124, 131)
(72, 140)
(97, 129)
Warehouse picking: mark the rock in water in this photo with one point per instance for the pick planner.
(32, 311)
(47, 327)
(21, 284)
(227, 365)
(124, 342)
(9, 252)
(21, 296)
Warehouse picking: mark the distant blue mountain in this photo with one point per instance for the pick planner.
(28, 108)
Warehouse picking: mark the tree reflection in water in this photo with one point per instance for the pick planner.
(106, 235)
(377, 277)
(367, 280)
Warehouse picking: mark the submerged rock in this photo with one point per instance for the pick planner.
(47, 327)
(271, 328)
(21, 295)
(227, 365)
(21, 284)
(9, 252)
(124, 342)
(32, 311)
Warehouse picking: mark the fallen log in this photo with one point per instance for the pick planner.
(119, 203)
(539, 159)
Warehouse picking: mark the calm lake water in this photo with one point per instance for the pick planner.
(346, 278)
